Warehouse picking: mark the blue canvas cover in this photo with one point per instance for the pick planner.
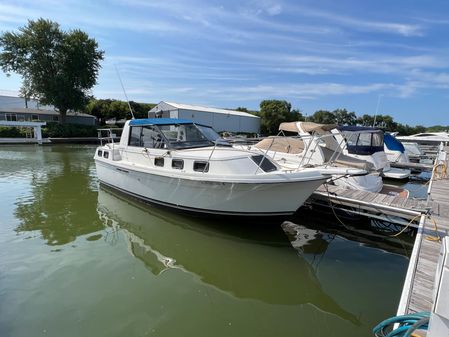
(393, 144)
(362, 140)
(159, 121)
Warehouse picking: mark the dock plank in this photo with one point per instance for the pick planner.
(419, 296)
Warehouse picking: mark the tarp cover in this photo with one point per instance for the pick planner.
(310, 126)
(305, 126)
(289, 126)
(281, 144)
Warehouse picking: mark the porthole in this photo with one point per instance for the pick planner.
(100, 153)
(177, 164)
(106, 154)
(201, 166)
(159, 161)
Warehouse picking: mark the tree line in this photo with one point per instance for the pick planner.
(105, 109)
(274, 112)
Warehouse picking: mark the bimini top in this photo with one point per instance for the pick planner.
(353, 128)
(393, 144)
(159, 121)
(305, 126)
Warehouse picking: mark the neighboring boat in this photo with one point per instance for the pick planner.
(394, 149)
(314, 144)
(174, 163)
(367, 143)
(427, 138)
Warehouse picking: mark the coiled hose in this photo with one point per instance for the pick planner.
(407, 324)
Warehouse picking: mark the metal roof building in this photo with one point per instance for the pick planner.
(219, 119)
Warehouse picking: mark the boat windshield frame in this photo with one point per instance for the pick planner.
(176, 144)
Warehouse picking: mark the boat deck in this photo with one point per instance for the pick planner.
(417, 294)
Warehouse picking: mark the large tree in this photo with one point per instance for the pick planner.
(274, 112)
(58, 67)
(323, 117)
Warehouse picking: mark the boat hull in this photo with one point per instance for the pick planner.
(209, 197)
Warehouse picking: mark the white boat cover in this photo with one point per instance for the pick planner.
(370, 183)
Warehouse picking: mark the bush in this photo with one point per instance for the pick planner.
(56, 130)
(11, 132)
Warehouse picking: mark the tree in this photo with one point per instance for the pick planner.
(108, 108)
(343, 117)
(324, 117)
(274, 112)
(57, 67)
(365, 120)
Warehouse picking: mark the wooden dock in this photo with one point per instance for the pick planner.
(382, 206)
(417, 294)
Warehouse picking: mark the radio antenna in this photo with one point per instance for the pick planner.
(377, 109)
(124, 91)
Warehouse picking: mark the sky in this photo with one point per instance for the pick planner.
(366, 56)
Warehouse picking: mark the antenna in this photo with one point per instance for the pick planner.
(124, 91)
(377, 109)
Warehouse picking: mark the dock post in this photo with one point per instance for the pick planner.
(38, 134)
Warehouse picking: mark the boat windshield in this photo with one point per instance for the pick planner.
(182, 136)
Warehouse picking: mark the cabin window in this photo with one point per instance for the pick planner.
(159, 161)
(134, 136)
(201, 166)
(106, 154)
(378, 139)
(351, 138)
(11, 117)
(264, 163)
(100, 153)
(146, 136)
(364, 139)
(152, 138)
(177, 164)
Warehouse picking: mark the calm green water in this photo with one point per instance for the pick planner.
(78, 260)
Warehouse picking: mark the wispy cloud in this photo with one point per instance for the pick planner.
(404, 29)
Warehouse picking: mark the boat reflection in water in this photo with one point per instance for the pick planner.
(247, 264)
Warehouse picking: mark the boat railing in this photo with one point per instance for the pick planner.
(108, 136)
(341, 146)
(264, 156)
(206, 167)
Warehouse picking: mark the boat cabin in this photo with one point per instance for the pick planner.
(364, 141)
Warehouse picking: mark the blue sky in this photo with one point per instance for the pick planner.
(315, 54)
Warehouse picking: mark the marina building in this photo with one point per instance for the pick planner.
(219, 119)
(13, 109)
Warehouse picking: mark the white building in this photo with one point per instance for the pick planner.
(12, 109)
(219, 119)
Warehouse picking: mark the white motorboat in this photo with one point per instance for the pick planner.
(314, 144)
(368, 144)
(427, 138)
(174, 163)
